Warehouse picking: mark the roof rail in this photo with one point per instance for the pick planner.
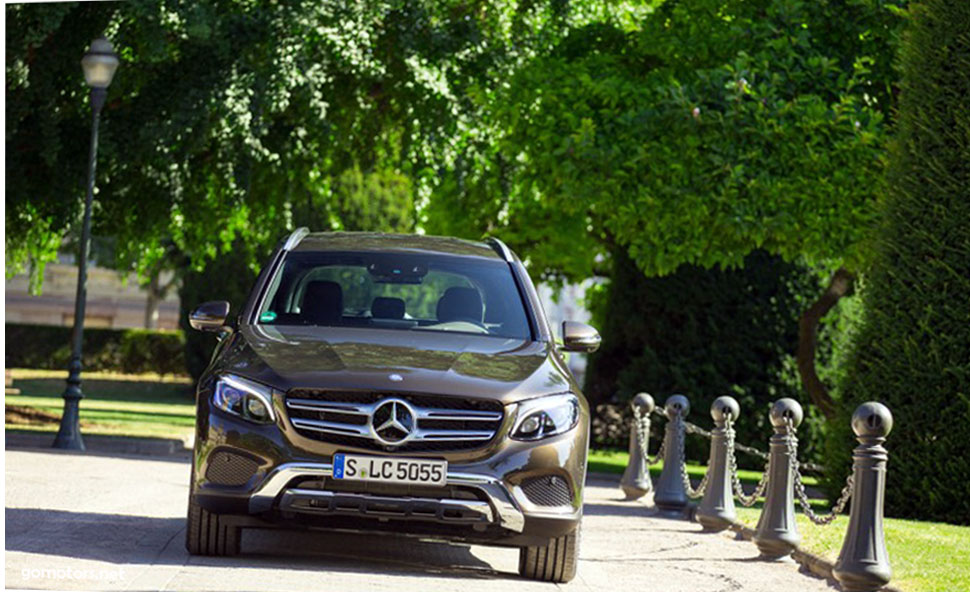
(295, 237)
(500, 248)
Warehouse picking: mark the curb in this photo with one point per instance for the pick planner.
(815, 564)
(98, 444)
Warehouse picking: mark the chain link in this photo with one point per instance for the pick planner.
(732, 447)
(682, 461)
(641, 423)
(802, 495)
(746, 500)
(696, 429)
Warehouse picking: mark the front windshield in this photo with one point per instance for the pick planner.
(406, 291)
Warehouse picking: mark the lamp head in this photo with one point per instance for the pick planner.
(99, 63)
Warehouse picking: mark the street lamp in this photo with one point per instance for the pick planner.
(99, 64)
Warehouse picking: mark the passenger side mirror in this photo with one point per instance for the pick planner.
(210, 316)
(579, 337)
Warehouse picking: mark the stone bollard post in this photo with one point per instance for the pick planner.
(716, 510)
(636, 478)
(777, 534)
(863, 563)
(670, 494)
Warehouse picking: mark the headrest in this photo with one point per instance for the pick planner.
(323, 302)
(460, 304)
(387, 308)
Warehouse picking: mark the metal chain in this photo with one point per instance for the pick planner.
(746, 500)
(696, 429)
(822, 520)
(642, 423)
(682, 461)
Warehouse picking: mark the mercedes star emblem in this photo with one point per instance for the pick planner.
(393, 422)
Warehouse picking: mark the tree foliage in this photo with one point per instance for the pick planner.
(912, 351)
(710, 129)
(233, 120)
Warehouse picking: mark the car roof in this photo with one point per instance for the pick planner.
(381, 241)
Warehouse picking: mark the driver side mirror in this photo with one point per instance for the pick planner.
(210, 316)
(579, 337)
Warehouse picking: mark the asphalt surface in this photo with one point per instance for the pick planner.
(116, 522)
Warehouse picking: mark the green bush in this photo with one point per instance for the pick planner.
(142, 349)
(705, 333)
(115, 350)
(912, 351)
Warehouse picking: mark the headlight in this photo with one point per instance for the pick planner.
(546, 416)
(245, 398)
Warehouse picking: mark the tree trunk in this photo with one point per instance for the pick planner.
(151, 304)
(840, 285)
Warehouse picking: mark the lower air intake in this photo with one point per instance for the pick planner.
(549, 491)
(227, 468)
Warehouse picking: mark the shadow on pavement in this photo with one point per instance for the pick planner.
(142, 540)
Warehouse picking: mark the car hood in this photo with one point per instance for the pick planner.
(426, 362)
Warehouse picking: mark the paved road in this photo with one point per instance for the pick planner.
(116, 523)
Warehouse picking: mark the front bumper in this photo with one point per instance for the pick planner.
(503, 512)
(291, 485)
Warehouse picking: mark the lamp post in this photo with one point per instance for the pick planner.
(99, 64)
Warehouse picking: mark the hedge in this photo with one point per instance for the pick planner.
(704, 333)
(912, 350)
(116, 350)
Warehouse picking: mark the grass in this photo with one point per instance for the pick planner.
(147, 405)
(925, 556)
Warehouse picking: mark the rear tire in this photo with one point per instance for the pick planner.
(553, 562)
(209, 534)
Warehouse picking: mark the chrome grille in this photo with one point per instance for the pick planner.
(442, 423)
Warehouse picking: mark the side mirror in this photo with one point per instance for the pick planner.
(579, 337)
(210, 316)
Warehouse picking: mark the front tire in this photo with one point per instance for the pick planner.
(553, 562)
(209, 534)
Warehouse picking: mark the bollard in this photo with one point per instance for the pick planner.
(777, 535)
(670, 494)
(863, 563)
(636, 478)
(716, 510)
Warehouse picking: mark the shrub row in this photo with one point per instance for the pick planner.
(117, 350)
(703, 333)
(912, 350)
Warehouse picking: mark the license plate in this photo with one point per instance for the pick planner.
(390, 470)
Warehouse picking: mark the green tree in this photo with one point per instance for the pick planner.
(229, 121)
(704, 131)
(912, 350)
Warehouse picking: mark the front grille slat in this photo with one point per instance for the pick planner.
(443, 423)
(331, 406)
(453, 435)
(330, 427)
(458, 415)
